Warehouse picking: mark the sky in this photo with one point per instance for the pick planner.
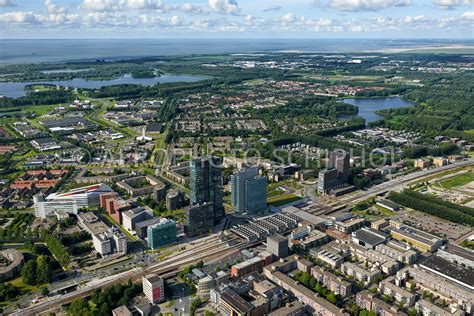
(449, 19)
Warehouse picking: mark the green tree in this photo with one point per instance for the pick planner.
(44, 291)
(331, 297)
(28, 273)
(412, 312)
(43, 272)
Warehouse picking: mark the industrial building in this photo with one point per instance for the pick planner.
(258, 229)
(368, 237)
(419, 239)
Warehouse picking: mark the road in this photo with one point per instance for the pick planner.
(401, 182)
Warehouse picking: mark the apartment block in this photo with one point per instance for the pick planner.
(368, 301)
(399, 294)
(332, 281)
(359, 273)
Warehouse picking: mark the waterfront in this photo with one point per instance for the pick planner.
(369, 106)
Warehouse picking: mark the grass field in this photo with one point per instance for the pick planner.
(18, 282)
(457, 181)
(283, 199)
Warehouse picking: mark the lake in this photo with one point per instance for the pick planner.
(368, 107)
(17, 89)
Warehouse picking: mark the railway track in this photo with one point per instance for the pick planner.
(166, 269)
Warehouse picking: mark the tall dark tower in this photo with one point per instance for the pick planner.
(206, 185)
(339, 160)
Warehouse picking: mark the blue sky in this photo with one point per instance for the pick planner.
(237, 19)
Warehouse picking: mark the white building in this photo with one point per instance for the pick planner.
(87, 196)
(110, 241)
(45, 209)
(153, 288)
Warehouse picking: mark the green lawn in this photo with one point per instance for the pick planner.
(18, 282)
(457, 181)
(283, 199)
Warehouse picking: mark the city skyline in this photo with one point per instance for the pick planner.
(237, 19)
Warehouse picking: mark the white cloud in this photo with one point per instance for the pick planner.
(189, 8)
(224, 6)
(450, 4)
(288, 18)
(52, 8)
(468, 16)
(361, 5)
(121, 5)
(175, 20)
(6, 3)
(18, 17)
(273, 8)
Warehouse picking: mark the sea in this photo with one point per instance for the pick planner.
(21, 51)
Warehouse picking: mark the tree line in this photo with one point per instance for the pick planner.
(54, 245)
(36, 271)
(432, 206)
(104, 301)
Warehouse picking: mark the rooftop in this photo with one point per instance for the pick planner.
(153, 278)
(417, 235)
(464, 276)
(459, 251)
(237, 302)
(370, 235)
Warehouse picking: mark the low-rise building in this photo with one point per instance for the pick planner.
(315, 304)
(457, 254)
(347, 226)
(419, 239)
(361, 274)
(422, 163)
(398, 251)
(368, 301)
(295, 308)
(334, 283)
(143, 185)
(389, 205)
(399, 294)
(329, 255)
(209, 282)
(426, 308)
(438, 285)
(247, 267)
(379, 224)
(385, 263)
(368, 237)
